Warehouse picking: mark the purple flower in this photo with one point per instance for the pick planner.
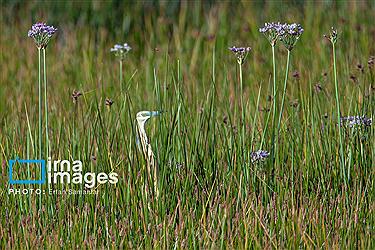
(289, 34)
(272, 31)
(241, 53)
(353, 121)
(42, 34)
(293, 29)
(259, 155)
(121, 50)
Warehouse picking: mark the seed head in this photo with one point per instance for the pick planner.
(294, 103)
(353, 78)
(318, 87)
(332, 36)
(75, 96)
(296, 74)
(241, 53)
(360, 68)
(42, 34)
(108, 102)
(370, 62)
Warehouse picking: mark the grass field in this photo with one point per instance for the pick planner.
(211, 193)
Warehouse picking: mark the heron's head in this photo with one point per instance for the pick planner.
(143, 116)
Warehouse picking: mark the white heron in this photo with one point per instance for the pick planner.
(152, 166)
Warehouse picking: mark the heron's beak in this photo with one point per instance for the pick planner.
(156, 113)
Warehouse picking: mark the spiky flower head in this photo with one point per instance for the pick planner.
(42, 34)
(120, 51)
(355, 121)
(108, 102)
(241, 53)
(370, 62)
(75, 96)
(271, 31)
(332, 36)
(289, 34)
(259, 155)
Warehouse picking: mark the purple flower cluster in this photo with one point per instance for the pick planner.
(241, 53)
(259, 155)
(42, 34)
(287, 33)
(293, 29)
(270, 27)
(353, 121)
(271, 31)
(121, 50)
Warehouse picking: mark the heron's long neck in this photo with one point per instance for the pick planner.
(149, 155)
(146, 146)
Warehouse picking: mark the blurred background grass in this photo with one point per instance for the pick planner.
(187, 31)
(179, 50)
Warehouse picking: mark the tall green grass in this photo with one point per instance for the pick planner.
(211, 195)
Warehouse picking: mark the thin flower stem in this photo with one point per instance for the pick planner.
(254, 121)
(265, 131)
(241, 86)
(338, 113)
(121, 73)
(284, 92)
(274, 102)
(40, 102)
(274, 107)
(274, 83)
(40, 111)
(243, 111)
(45, 100)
